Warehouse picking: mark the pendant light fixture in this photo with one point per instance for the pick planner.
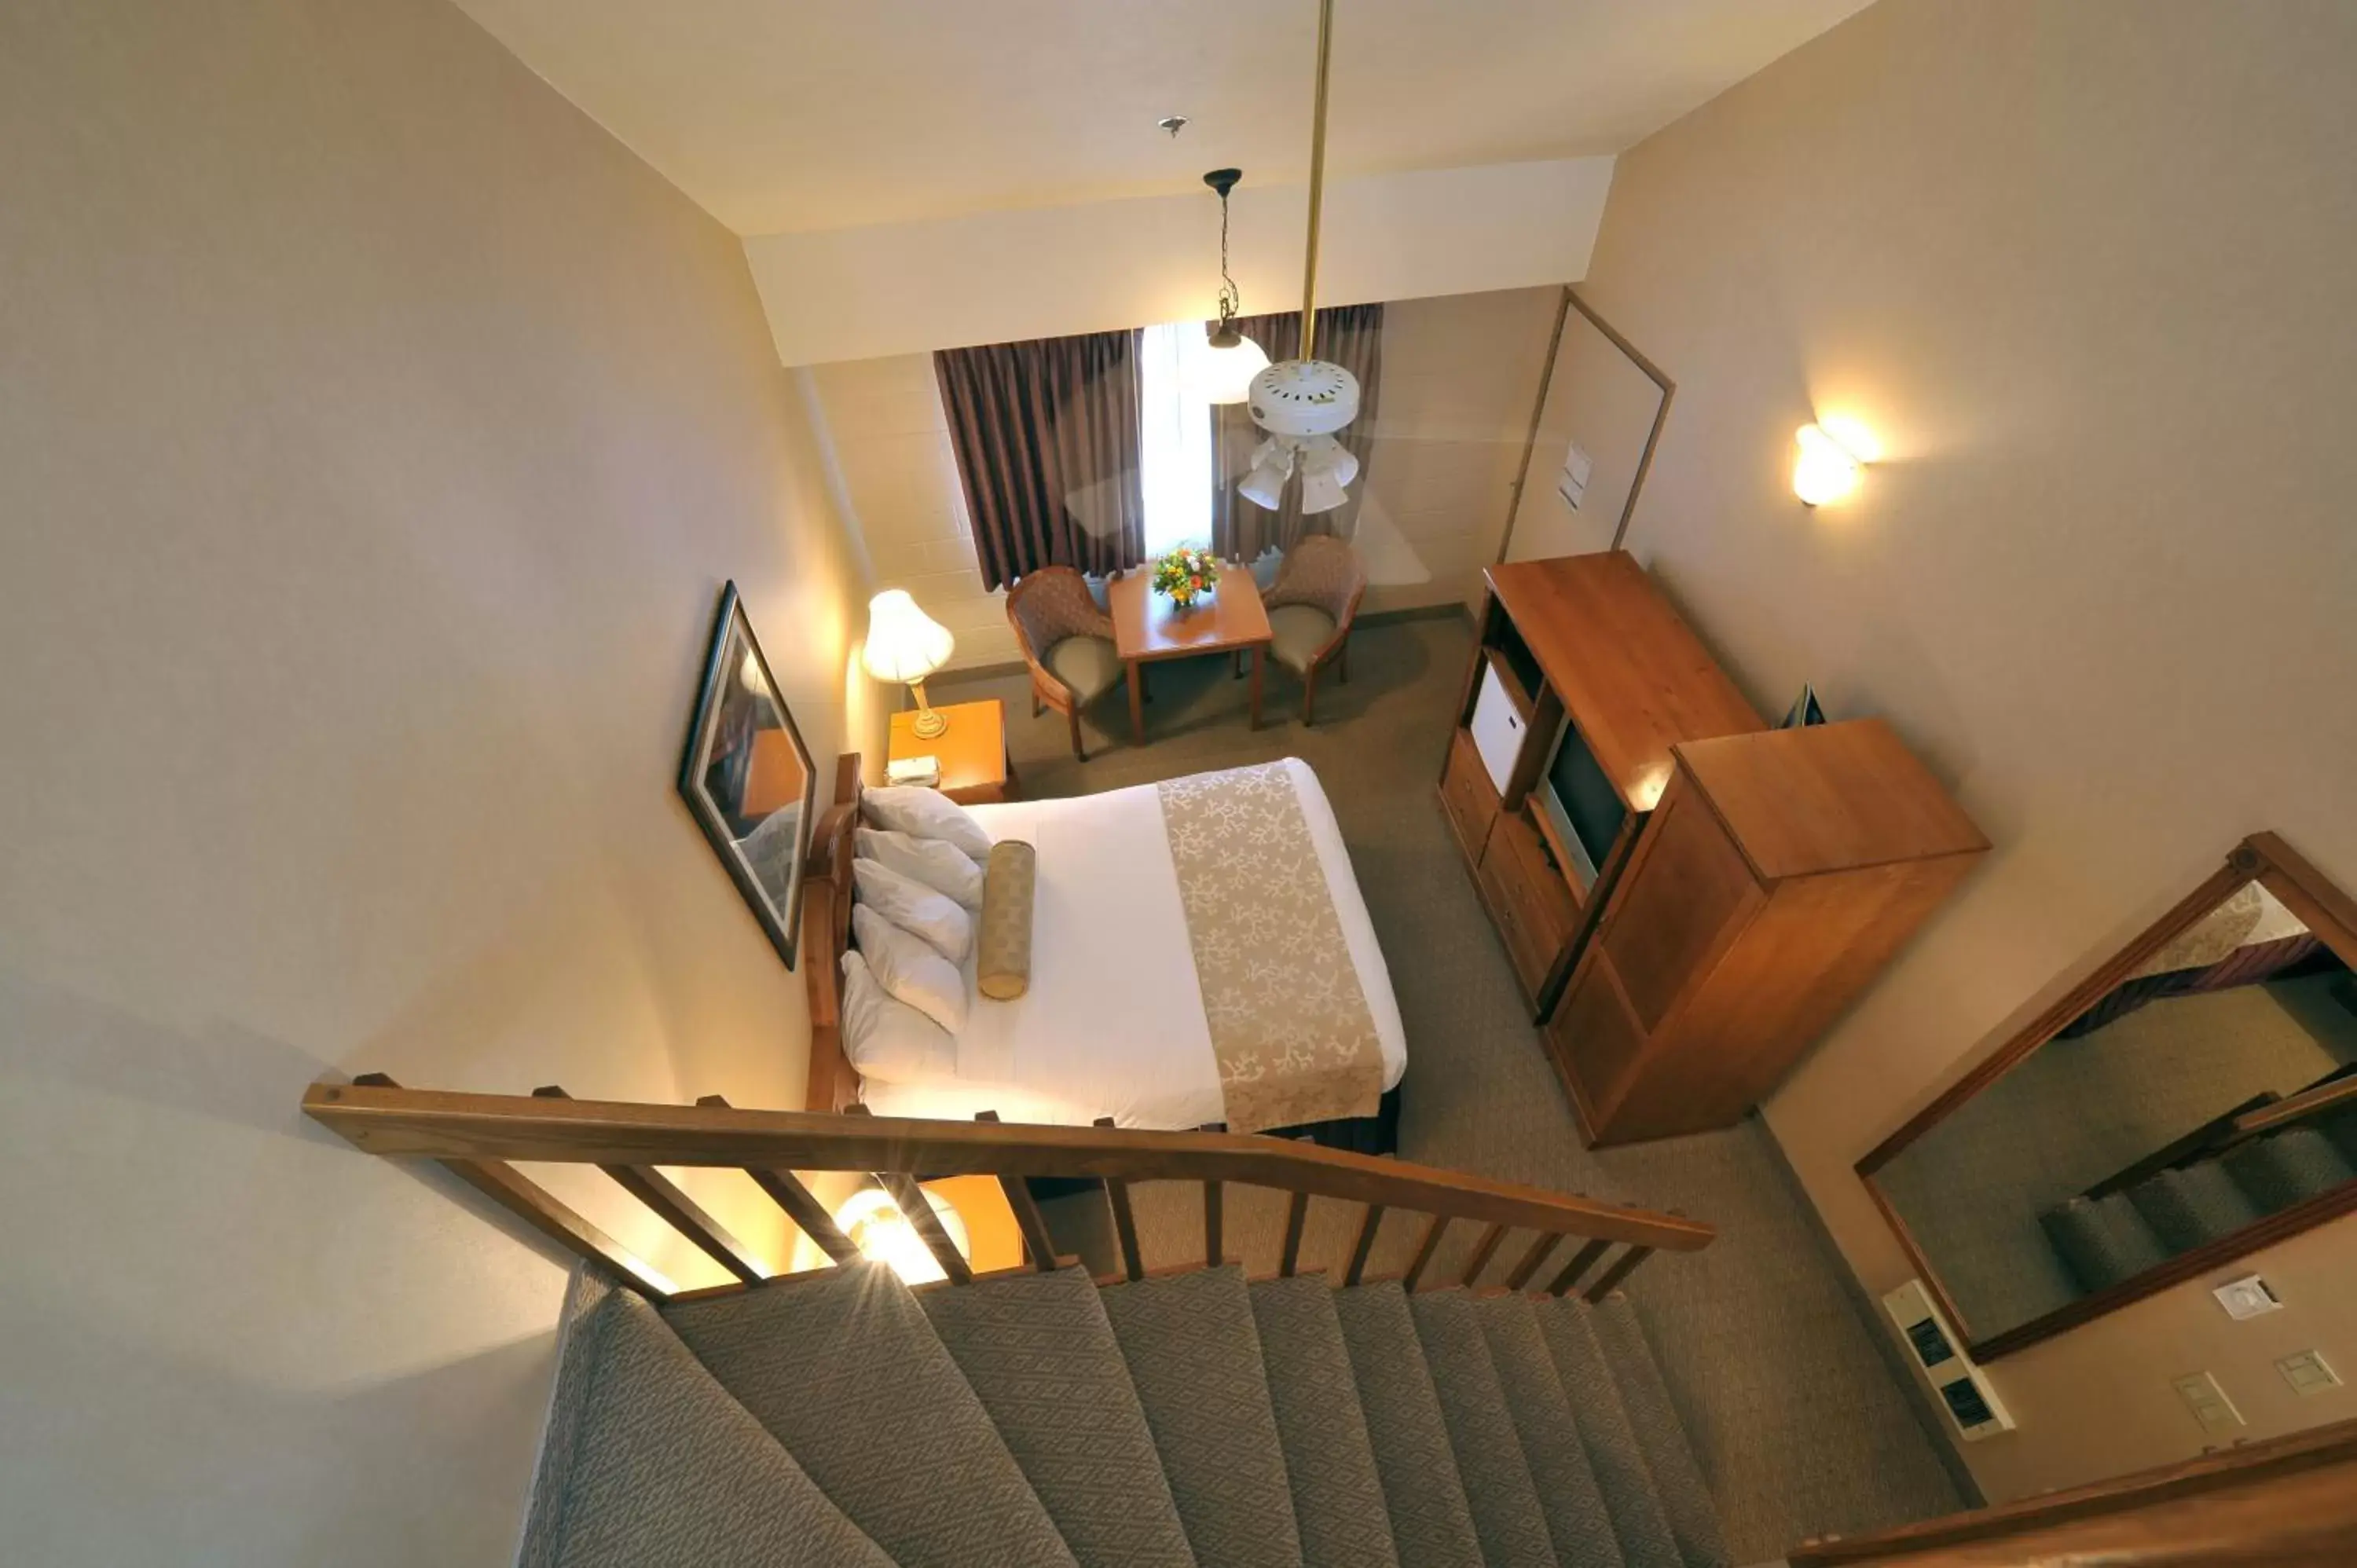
(1223, 371)
(1302, 403)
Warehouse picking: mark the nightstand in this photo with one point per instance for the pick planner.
(975, 768)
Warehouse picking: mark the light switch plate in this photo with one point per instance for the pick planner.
(2246, 1297)
(2208, 1403)
(2309, 1372)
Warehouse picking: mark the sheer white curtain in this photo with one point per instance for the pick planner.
(1173, 443)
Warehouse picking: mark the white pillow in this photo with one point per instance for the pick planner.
(937, 863)
(889, 1041)
(910, 970)
(913, 907)
(927, 814)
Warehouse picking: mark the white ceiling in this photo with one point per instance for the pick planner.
(781, 115)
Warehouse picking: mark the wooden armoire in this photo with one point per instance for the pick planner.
(1721, 891)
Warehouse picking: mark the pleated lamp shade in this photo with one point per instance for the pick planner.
(904, 643)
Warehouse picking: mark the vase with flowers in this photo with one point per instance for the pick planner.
(1187, 576)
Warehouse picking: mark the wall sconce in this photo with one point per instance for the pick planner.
(1826, 470)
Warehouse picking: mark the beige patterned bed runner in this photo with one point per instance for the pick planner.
(1290, 1023)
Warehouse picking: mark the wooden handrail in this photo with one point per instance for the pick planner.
(491, 1127)
(2307, 1104)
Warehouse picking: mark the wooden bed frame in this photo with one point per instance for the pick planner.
(826, 932)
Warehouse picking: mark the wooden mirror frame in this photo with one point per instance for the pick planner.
(2328, 912)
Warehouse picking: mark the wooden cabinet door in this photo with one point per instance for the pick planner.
(1596, 1039)
(1687, 886)
(1466, 792)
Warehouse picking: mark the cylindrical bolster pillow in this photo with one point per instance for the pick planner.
(1002, 945)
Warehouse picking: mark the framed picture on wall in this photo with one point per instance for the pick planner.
(748, 779)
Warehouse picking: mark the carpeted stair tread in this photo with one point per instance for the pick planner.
(2287, 1167)
(2101, 1241)
(1677, 1478)
(1194, 1355)
(665, 1469)
(1507, 1515)
(1432, 1524)
(1613, 1452)
(2342, 1129)
(2194, 1204)
(1577, 1519)
(1042, 1355)
(843, 1369)
(1329, 1462)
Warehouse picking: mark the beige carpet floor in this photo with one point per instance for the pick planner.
(1799, 1421)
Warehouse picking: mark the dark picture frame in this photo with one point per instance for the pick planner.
(743, 771)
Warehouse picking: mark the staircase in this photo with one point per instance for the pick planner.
(2117, 1232)
(1181, 1416)
(1190, 1418)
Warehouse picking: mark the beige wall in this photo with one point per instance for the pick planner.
(375, 434)
(1459, 374)
(892, 443)
(1043, 272)
(2084, 268)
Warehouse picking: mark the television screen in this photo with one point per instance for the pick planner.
(1581, 800)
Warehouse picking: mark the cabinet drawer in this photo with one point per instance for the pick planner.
(1528, 899)
(1596, 1037)
(1470, 798)
(1542, 897)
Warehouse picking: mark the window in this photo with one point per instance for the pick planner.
(1174, 438)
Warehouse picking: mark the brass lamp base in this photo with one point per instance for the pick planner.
(928, 723)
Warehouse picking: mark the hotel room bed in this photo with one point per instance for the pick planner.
(1145, 900)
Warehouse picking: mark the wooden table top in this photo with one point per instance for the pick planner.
(1146, 624)
(1616, 653)
(973, 750)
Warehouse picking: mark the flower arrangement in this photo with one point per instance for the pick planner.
(1186, 574)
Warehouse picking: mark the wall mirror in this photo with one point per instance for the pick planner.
(748, 778)
(2193, 1100)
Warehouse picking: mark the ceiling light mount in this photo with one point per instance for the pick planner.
(1225, 374)
(1174, 123)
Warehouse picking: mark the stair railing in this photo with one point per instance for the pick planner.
(476, 1135)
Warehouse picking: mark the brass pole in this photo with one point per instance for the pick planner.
(1316, 182)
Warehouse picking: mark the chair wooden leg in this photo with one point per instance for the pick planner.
(1072, 717)
(1309, 697)
(1035, 702)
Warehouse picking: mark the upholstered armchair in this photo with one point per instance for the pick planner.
(1310, 608)
(1067, 640)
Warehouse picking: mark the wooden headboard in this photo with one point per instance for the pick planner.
(826, 931)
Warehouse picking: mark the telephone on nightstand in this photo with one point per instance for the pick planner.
(925, 771)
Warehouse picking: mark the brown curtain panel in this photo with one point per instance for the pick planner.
(1046, 437)
(1350, 336)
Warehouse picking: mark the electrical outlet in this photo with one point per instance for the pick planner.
(2208, 1403)
(2309, 1372)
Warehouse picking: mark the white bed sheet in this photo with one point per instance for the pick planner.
(1113, 1024)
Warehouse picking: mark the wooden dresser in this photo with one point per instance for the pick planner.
(1719, 893)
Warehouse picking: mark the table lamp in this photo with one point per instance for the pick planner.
(904, 643)
(882, 1233)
